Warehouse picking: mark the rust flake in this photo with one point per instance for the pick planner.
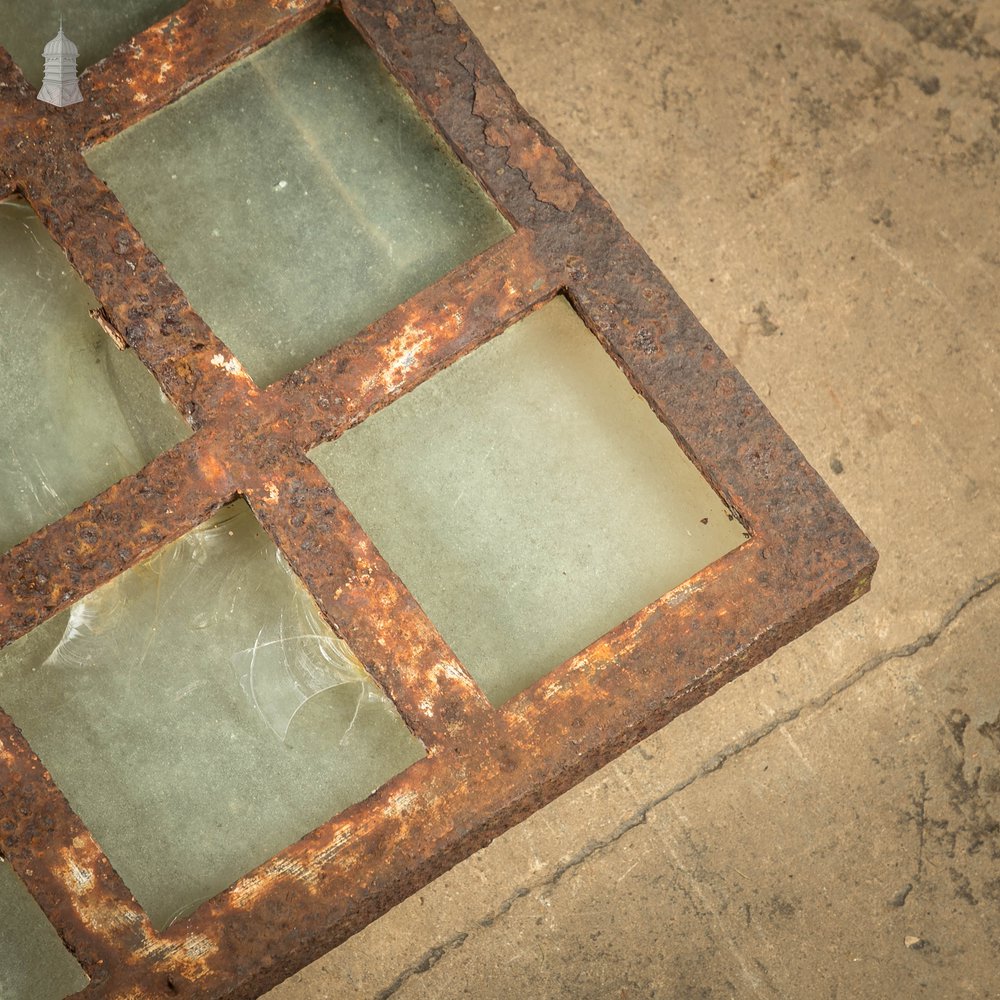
(446, 11)
(538, 162)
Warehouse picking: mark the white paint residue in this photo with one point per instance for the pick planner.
(232, 365)
(454, 671)
(83, 881)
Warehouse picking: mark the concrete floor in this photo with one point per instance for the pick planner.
(820, 183)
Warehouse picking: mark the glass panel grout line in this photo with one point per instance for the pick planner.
(806, 558)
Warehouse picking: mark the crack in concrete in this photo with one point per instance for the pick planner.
(432, 956)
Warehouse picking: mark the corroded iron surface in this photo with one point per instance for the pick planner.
(485, 769)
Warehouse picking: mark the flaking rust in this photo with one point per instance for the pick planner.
(485, 768)
(537, 161)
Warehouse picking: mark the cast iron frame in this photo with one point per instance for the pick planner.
(486, 768)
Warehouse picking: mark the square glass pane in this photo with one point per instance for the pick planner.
(78, 414)
(199, 715)
(95, 26)
(34, 963)
(298, 196)
(529, 498)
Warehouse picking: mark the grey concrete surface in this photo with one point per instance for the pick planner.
(820, 183)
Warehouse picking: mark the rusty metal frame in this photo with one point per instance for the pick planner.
(485, 768)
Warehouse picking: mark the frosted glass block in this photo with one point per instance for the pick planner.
(34, 963)
(77, 414)
(199, 715)
(298, 196)
(529, 498)
(95, 26)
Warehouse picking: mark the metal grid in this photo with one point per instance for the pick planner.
(486, 768)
